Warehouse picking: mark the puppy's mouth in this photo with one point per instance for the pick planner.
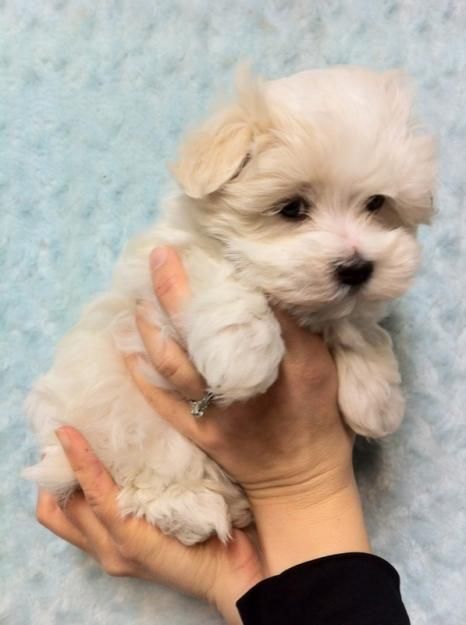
(357, 291)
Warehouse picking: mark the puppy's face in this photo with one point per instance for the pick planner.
(319, 190)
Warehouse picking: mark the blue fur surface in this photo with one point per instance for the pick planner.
(93, 99)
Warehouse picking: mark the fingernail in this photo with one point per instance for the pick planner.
(64, 437)
(157, 257)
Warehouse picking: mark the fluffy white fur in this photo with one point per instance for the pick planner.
(334, 137)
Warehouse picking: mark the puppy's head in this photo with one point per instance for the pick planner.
(315, 184)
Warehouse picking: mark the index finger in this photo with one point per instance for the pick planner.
(97, 485)
(169, 279)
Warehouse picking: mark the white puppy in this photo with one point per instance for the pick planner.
(307, 192)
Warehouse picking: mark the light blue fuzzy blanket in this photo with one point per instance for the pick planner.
(93, 98)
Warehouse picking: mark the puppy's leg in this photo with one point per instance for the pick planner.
(53, 472)
(189, 511)
(369, 380)
(234, 340)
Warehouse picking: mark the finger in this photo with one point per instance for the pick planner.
(171, 408)
(50, 515)
(169, 359)
(101, 545)
(169, 280)
(96, 483)
(80, 514)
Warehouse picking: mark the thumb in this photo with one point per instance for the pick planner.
(169, 280)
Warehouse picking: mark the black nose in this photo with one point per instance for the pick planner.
(355, 271)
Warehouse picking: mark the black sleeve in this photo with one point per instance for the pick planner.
(344, 589)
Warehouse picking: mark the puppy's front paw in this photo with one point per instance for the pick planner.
(369, 390)
(371, 407)
(236, 345)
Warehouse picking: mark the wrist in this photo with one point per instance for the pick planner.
(321, 518)
(225, 600)
(238, 569)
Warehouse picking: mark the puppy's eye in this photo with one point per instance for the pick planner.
(375, 202)
(295, 209)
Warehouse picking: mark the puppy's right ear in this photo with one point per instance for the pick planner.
(216, 153)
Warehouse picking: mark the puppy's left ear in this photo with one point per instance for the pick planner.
(419, 148)
(218, 151)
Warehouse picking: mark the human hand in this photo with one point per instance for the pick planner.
(285, 437)
(288, 448)
(90, 520)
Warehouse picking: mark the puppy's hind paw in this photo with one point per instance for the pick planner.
(53, 472)
(190, 515)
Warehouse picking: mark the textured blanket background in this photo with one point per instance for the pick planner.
(93, 98)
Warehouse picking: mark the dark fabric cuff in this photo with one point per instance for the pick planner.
(343, 589)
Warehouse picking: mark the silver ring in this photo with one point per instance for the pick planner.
(199, 407)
